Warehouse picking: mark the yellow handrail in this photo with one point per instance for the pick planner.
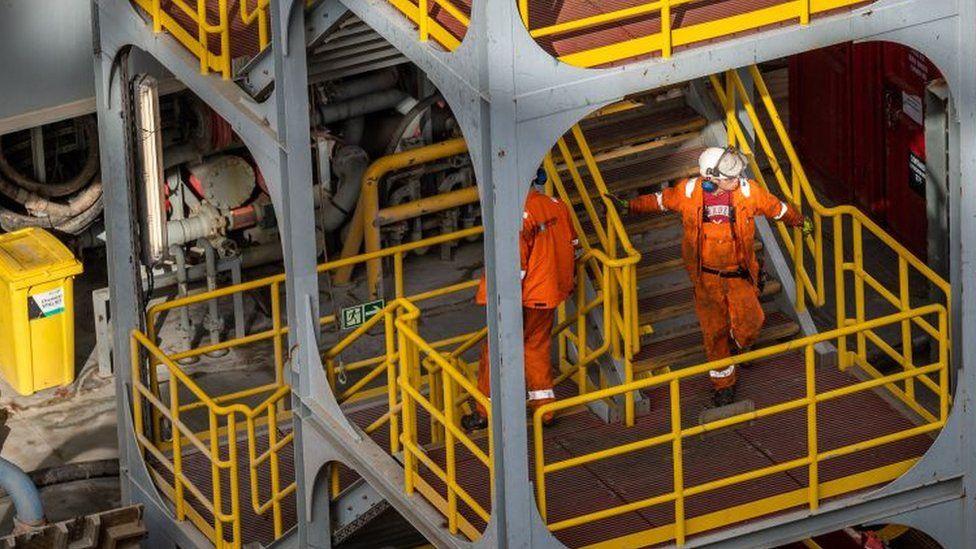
(197, 16)
(810, 291)
(212, 444)
(661, 42)
(815, 492)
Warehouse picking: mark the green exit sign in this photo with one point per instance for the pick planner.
(355, 316)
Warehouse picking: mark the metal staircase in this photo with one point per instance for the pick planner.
(591, 485)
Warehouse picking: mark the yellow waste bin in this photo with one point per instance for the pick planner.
(37, 327)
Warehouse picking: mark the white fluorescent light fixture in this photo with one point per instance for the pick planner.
(150, 142)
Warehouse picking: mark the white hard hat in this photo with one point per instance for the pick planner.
(721, 163)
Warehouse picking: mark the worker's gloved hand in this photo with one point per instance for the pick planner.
(807, 226)
(623, 207)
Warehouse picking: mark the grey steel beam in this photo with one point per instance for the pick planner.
(334, 443)
(117, 165)
(548, 86)
(833, 516)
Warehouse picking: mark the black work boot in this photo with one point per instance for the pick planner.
(474, 422)
(723, 397)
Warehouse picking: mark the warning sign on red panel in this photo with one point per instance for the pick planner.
(45, 304)
(916, 173)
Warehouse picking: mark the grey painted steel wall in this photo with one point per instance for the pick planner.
(45, 57)
(46, 62)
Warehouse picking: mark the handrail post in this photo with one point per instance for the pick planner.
(581, 336)
(215, 473)
(730, 110)
(805, 12)
(224, 39)
(857, 235)
(409, 459)
(203, 37)
(813, 476)
(157, 16)
(944, 361)
(524, 12)
(423, 20)
(666, 38)
(843, 361)
(235, 479)
(174, 411)
(275, 473)
(906, 325)
(391, 381)
(449, 457)
(677, 462)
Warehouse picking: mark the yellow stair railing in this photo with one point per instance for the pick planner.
(663, 42)
(191, 24)
(228, 419)
(931, 418)
(807, 254)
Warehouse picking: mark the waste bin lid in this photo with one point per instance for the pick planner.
(34, 256)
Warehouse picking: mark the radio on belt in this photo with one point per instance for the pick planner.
(37, 327)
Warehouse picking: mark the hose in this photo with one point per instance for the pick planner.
(362, 105)
(39, 206)
(349, 163)
(23, 493)
(12, 221)
(73, 185)
(408, 119)
(372, 82)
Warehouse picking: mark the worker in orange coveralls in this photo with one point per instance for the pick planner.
(717, 212)
(548, 244)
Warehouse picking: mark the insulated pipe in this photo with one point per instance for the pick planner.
(349, 163)
(73, 185)
(373, 82)
(369, 203)
(23, 493)
(39, 206)
(428, 205)
(362, 105)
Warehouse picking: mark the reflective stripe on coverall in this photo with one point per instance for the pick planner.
(728, 308)
(547, 243)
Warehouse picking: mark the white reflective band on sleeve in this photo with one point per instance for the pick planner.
(720, 374)
(660, 201)
(521, 275)
(690, 187)
(542, 395)
(744, 187)
(525, 215)
(782, 211)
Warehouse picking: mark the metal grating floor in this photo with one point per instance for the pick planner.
(254, 527)
(640, 475)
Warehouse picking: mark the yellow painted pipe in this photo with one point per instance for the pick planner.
(427, 205)
(369, 203)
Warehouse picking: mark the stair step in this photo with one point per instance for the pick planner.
(680, 301)
(637, 225)
(684, 348)
(641, 125)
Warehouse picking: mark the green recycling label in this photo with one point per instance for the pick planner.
(45, 304)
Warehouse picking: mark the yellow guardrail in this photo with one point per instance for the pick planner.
(663, 42)
(190, 23)
(683, 526)
(226, 421)
(807, 254)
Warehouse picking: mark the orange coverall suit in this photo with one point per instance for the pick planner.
(727, 306)
(547, 242)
